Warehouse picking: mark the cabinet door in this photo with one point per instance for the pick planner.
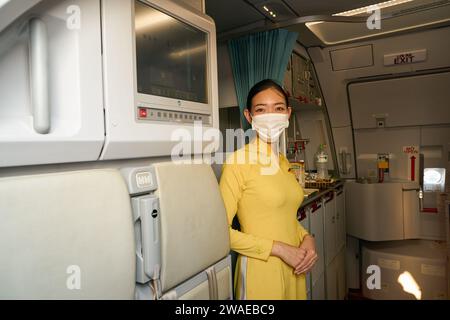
(300, 83)
(305, 222)
(352, 262)
(331, 281)
(330, 228)
(341, 279)
(51, 107)
(287, 77)
(316, 223)
(336, 287)
(308, 286)
(318, 289)
(340, 219)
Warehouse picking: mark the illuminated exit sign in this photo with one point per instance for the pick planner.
(406, 57)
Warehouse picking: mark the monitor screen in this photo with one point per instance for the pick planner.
(171, 56)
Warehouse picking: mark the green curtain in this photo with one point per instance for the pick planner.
(257, 57)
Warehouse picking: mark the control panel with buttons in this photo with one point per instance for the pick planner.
(153, 114)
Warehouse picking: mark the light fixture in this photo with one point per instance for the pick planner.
(151, 20)
(269, 11)
(363, 10)
(434, 179)
(190, 51)
(3, 2)
(310, 24)
(410, 285)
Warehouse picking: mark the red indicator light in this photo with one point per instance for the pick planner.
(142, 113)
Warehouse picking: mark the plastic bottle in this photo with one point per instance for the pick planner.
(321, 160)
(299, 166)
(302, 177)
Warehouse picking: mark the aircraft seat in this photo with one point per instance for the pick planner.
(181, 232)
(66, 236)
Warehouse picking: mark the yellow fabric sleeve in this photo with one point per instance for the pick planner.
(231, 187)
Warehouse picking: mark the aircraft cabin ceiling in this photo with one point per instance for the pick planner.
(324, 23)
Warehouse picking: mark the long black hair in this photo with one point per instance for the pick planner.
(263, 85)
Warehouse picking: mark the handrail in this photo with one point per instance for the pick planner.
(39, 76)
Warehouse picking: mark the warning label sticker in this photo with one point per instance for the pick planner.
(432, 270)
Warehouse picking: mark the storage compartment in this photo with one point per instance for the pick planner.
(351, 58)
(389, 211)
(191, 290)
(324, 218)
(213, 284)
(318, 289)
(375, 211)
(316, 224)
(225, 280)
(300, 77)
(205, 287)
(51, 107)
(423, 98)
(330, 229)
(424, 260)
(352, 263)
(336, 286)
(341, 233)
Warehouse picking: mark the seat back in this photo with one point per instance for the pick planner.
(66, 236)
(194, 227)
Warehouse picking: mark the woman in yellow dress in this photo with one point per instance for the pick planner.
(275, 251)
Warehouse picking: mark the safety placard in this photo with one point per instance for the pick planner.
(389, 264)
(432, 270)
(412, 153)
(383, 161)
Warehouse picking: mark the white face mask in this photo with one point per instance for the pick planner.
(270, 126)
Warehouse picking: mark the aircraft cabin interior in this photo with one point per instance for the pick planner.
(119, 121)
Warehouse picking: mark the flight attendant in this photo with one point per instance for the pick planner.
(275, 251)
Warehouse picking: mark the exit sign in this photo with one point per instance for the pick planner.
(413, 159)
(406, 57)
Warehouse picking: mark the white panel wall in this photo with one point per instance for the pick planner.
(388, 140)
(227, 89)
(198, 5)
(313, 126)
(435, 146)
(405, 101)
(344, 152)
(334, 83)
